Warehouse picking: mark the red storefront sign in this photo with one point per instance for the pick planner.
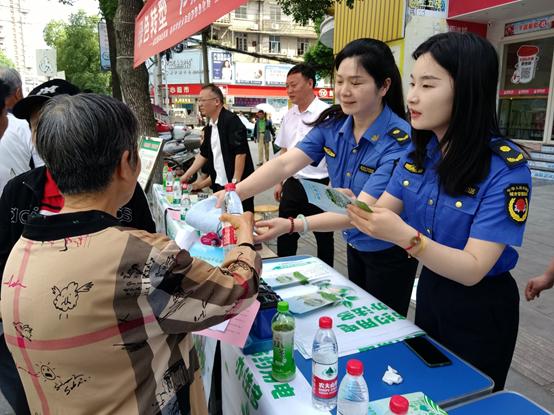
(528, 91)
(245, 91)
(163, 23)
(461, 7)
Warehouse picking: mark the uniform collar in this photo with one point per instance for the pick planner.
(375, 129)
(433, 148)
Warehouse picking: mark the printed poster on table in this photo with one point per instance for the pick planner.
(250, 389)
(360, 320)
(149, 151)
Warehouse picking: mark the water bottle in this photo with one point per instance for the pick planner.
(185, 198)
(164, 174)
(398, 405)
(325, 359)
(353, 398)
(185, 202)
(177, 192)
(169, 186)
(233, 206)
(283, 368)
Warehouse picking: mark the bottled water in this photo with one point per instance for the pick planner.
(169, 186)
(283, 368)
(233, 206)
(353, 398)
(185, 202)
(177, 192)
(325, 358)
(164, 174)
(398, 405)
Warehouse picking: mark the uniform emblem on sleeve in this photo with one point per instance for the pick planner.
(412, 168)
(329, 152)
(517, 202)
(366, 169)
(512, 156)
(399, 135)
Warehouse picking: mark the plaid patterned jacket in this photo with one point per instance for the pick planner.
(98, 317)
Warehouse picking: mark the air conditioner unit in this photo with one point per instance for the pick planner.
(275, 25)
(254, 26)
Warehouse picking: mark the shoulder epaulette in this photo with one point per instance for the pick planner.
(511, 156)
(399, 135)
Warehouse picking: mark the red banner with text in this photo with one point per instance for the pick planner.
(163, 23)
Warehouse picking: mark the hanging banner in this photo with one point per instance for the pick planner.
(162, 24)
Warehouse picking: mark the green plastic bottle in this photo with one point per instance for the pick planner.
(283, 368)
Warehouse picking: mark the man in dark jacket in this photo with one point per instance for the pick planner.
(224, 146)
(35, 192)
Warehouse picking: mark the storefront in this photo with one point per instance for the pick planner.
(523, 33)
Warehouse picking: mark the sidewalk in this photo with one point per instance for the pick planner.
(532, 370)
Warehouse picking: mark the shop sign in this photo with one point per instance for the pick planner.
(529, 25)
(528, 67)
(249, 73)
(276, 74)
(434, 8)
(325, 93)
(248, 101)
(184, 68)
(222, 66)
(182, 89)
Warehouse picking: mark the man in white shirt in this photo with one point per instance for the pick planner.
(291, 195)
(17, 152)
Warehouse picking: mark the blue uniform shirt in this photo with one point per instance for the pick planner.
(366, 166)
(494, 210)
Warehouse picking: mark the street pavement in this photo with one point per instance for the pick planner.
(532, 370)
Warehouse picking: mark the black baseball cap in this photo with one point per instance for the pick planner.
(42, 93)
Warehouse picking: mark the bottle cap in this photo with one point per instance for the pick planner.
(282, 306)
(399, 404)
(230, 186)
(354, 367)
(325, 322)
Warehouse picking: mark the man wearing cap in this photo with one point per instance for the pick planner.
(17, 152)
(36, 192)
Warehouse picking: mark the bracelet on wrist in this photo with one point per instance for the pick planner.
(291, 219)
(304, 223)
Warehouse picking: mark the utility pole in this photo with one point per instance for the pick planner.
(205, 55)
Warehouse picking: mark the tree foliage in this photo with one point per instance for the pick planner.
(320, 57)
(78, 52)
(302, 11)
(5, 61)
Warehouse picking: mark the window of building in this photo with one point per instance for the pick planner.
(275, 13)
(274, 44)
(241, 12)
(241, 41)
(524, 88)
(303, 46)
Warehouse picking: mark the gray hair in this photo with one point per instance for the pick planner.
(11, 78)
(81, 139)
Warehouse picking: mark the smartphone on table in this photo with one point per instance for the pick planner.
(427, 352)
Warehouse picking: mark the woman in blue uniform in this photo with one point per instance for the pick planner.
(361, 140)
(465, 193)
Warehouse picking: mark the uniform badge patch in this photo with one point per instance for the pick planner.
(412, 168)
(329, 152)
(399, 135)
(471, 191)
(366, 169)
(517, 202)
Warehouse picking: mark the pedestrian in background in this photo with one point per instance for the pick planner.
(264, 133)
(538, 284)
